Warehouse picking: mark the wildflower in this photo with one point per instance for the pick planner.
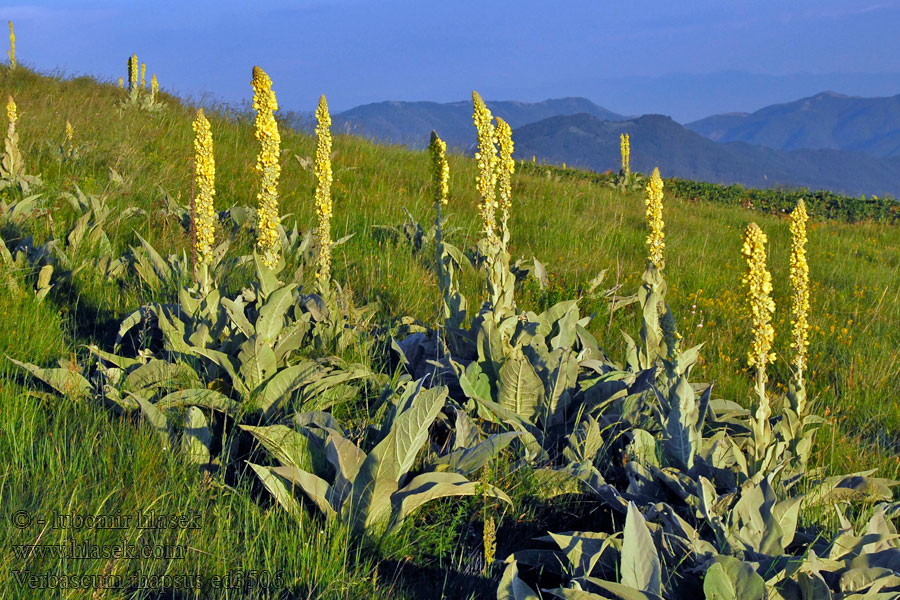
(154, 87)
(799, 288)
(121, 83)
(759, 290)
(653, 201)
(132, 72)
(205, 177)
(440, 170)
(490, 541)
(487, 167)
(12, 47)
(70, 132)
(143, 75)
(11, 115)
(625, 147)
(267, 166)
(507, 167)
(323, 189)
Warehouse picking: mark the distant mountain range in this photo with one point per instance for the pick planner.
(658, 141)
(828, 141)
(826, 121)
(411, 123)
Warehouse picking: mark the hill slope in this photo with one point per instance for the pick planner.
(410, 123)
(824, 121)
(656, 140)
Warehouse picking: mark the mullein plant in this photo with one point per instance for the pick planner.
(154, 88)
(454, 303)
(12, 47)
(133, 76)
(203, 212)
(799, 304)
(12, 167)
(143, 75)
(67, 149)
(324, 179)
(625, 148)
(268, 168)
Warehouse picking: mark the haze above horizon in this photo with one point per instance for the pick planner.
(687, 61)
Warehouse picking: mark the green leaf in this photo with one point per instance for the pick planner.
(277, 389)
(513, 588)
(65, 381)
(618, 590)
(469, 460)
(161, 373)
(732, 579)
(520, 388)
(257, 362)
(640, 562)
(289, 447)
(197, 439)
(156, 418)
(277, 487)
(271, 315)
(200, 397)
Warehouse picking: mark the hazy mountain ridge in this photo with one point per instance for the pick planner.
(824, 121)
(656, 140)
(411, 123)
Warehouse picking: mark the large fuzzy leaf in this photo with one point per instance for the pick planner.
(271, 314)
(682, 432)
(640, 561)
(161, 373)
(432, 485)
(289, 447)
(732, 579)
(394, 455)
(617, 590)
(512, 587)
(197, 439)
(65, 381)
(257, 362)
(278, 487)
(201, 397)
(279, 387)
(469, 460)
(520, 389)
(156, 419)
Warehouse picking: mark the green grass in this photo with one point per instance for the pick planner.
(80, 458)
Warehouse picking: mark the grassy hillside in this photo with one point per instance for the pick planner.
(79, 457)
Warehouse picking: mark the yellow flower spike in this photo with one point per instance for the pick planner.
(323, 189)
(132, 72)
(143, 75)
(205, 184)
(121, 83)
(440, 170)
(70, 132)
(11, 114)
(760, 304)
(12, 47)
(487, 167)
(654, 202)
(154, 87)
(799, 289)
(507, 167)
(267, 165)
(625, 147)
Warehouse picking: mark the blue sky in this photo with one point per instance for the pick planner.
(686, 59)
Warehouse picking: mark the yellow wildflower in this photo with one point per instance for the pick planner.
(507, 167)
(121, 83)
(323, 189)
(440, 170)
(487, 167)
(489, 538)
(654, 202)
(205, 179)
(759, 294)
(799, 288)
(267, 166)
(11, 115)
(70, 132)
(143, 75)
(154, 87)
(625, 147)
(132, 72)
(12, 47)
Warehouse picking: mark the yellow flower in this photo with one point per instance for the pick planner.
(489, 537)
(507, 167)
(154, 87)
(143, 75)
(487, 167)
(654, 202)
(205, 181)
(323, 189)
(799, 288)
(132, 72)
(11, 115)
(70, 132)
(267, 165)
(761, 306)
(121, 83)
(625, 147)
(12, 47)
(440, 170)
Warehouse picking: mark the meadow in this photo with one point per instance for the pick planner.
(69, 453)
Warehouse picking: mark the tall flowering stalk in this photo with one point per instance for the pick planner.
(132, 73)
(654, 202)
(799, 291)
(12, 47)
(440, 175)
(12, 117)
(204, 214)
(625, 147)
(70, 133)
(506, 168)
(265, 105)
(12, 167)
(143, 75)
(487, 168)
(154, 88)
(761, 306)
(323, 189)
(121, 83)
